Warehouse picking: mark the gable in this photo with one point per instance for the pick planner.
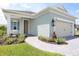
(59, 11)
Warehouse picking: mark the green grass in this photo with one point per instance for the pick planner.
(23, 49)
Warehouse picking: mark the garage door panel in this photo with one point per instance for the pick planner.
(63, 28)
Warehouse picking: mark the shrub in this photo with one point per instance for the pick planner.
(21, 38)
(56, 40)
(60, 40)
(51, 40)
(3, 28)
(10, 40)
(4, 37)
(1, 33)
(43, 38)
(46, 39)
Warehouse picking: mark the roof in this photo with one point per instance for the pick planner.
(17, 11)
(59, 10)
(59, 6)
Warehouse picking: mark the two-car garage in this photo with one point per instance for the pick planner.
(63, 28)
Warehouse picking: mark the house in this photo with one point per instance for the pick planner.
(45, 22)
(76, 27)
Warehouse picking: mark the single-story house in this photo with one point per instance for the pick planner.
(45, 22)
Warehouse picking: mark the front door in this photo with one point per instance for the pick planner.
(26, 27)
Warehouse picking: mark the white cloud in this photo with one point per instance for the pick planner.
(20, 6)
(25, 5)
(77, 11)
(6, 5)
(25, 1)
(15, 6)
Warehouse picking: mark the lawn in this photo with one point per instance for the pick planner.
(23, 49)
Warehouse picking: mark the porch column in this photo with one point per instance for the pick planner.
(21, 31)
(8, 25)
(73, 29)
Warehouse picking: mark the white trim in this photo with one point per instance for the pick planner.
(55, 11)
(21, 31)
(64, 20)
(19, 15)
(62, 12)
(17, 12)
(8, 25)
(68, 22)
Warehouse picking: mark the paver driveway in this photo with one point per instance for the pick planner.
(71, 49)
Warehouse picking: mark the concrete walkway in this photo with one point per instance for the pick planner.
(71, 49)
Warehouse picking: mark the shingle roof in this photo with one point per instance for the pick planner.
(10, 10)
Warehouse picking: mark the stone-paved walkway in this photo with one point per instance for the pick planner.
(71, 49)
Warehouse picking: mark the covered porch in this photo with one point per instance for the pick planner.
(19, 25)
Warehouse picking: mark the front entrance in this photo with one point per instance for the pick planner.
(25, 27)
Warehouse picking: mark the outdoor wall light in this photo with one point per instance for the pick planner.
(53, 22)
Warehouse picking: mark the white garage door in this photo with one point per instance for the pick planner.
(63, 28)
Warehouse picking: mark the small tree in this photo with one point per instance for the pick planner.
(3, 29)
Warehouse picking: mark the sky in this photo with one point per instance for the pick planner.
(72, 8)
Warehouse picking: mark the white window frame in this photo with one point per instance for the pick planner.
(14, 24)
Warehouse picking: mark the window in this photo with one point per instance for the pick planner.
(15, 25)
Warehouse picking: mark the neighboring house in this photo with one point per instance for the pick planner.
(45, 22)
(77, 27)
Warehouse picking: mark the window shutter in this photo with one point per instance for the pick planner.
(11, 25)
(18, 25)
